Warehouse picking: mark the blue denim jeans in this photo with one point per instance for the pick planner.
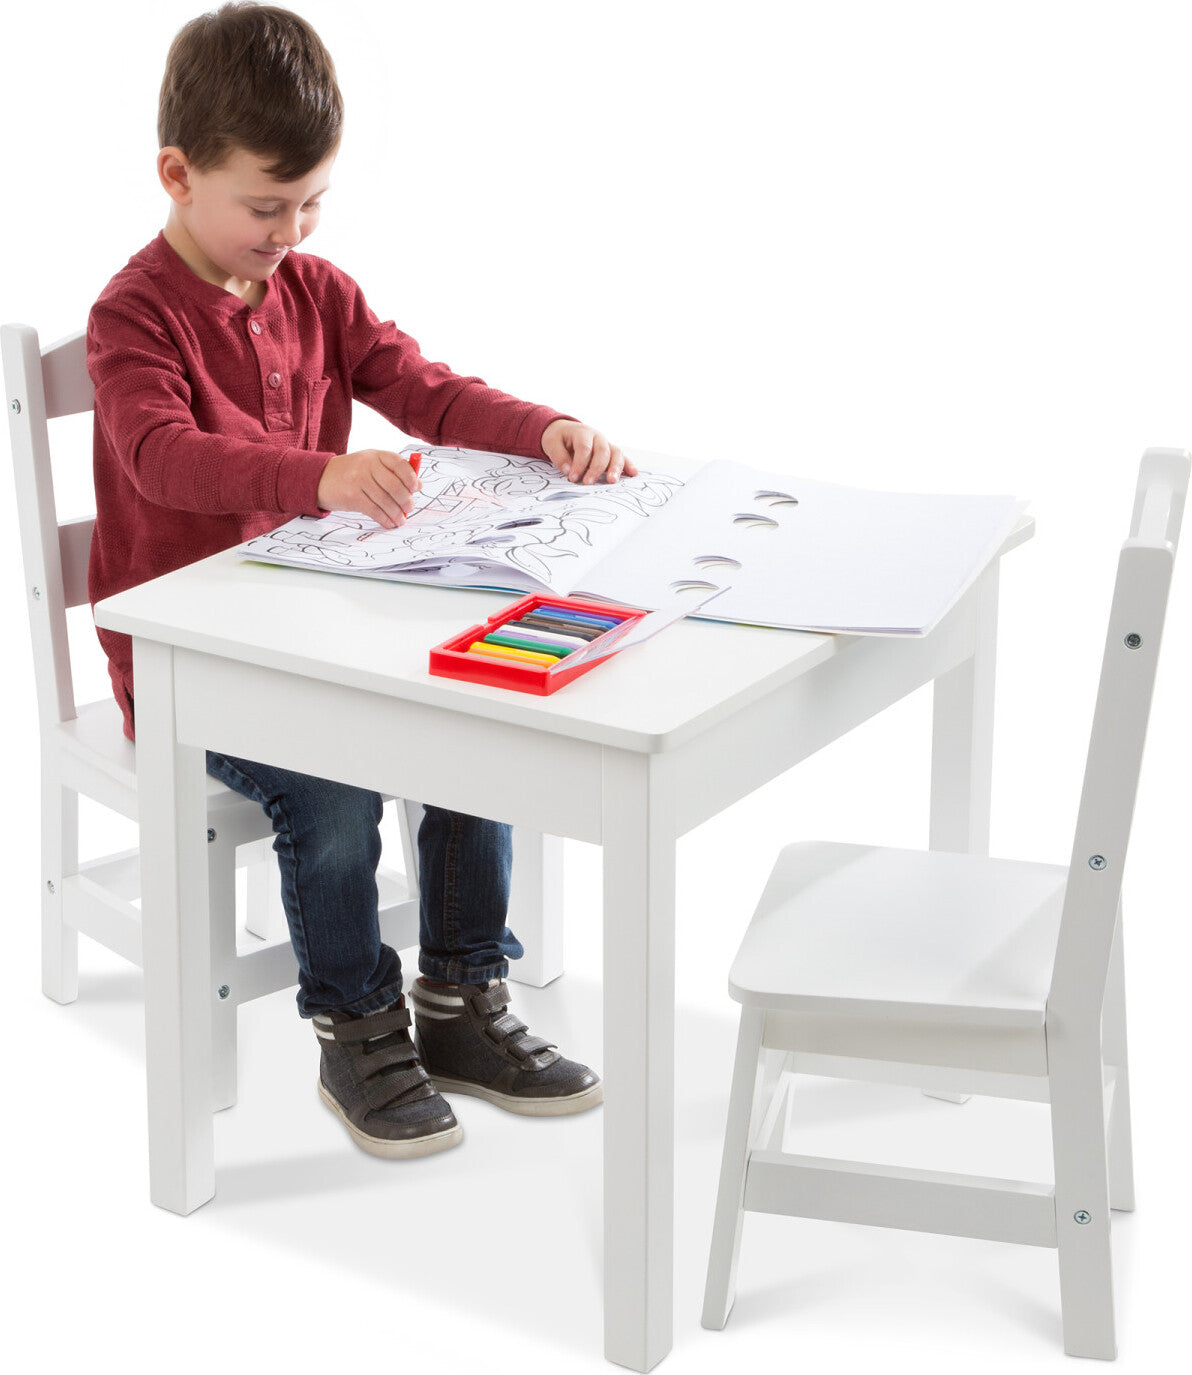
(328, 847)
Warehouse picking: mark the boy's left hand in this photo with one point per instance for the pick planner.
(583, 454)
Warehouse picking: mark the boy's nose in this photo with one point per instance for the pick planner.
(287, 235)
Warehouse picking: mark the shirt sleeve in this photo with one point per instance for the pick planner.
(143, 406)
(428, 400)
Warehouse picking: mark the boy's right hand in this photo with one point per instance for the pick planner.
(375, 482)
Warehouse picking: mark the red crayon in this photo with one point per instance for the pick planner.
(414, 461)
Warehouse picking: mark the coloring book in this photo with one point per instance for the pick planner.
(781, 551)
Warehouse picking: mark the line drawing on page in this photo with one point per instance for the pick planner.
(477, 508)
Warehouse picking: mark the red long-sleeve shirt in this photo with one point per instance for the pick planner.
(214, 420)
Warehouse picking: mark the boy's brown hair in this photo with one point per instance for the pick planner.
(250, 76)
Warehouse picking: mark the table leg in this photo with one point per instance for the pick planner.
(962, 748)
(962, 737)
(176, 956)
(639, 1057)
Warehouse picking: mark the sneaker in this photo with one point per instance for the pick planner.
(471, 1043)
(369, 1076)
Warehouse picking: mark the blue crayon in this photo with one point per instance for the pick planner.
(585, 617)
(606, 616)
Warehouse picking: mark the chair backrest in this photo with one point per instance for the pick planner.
(39, 387)
(1118, 735)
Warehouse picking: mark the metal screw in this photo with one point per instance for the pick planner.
(50, 885)
(1133, 641)
(210, 834)
(37, 594)
(15, 407)
(1097, 861)
(1082, 1217)
(224, 990)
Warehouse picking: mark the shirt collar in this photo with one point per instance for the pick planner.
(167, 262)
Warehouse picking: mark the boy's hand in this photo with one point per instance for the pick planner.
(374, 482)
(583, 454)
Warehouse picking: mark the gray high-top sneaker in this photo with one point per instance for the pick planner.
(369, 1076)
(471, 1043)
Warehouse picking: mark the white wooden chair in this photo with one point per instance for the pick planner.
(962, 973)
(84, 751)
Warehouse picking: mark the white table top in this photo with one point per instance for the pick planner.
(377, 636)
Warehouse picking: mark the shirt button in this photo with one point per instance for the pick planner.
(275, 379)
(256, 329)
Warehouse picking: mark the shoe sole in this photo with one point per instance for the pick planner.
(525, 1107)
(394, 1150)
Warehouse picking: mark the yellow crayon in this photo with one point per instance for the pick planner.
(524, 656)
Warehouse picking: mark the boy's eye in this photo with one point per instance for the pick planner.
(311, 207)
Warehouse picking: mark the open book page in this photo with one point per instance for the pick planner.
(808, 555)
(791, 553)
(482, 519)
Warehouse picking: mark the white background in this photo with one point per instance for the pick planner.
(930, 246)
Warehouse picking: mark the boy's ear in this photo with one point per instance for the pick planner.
(173, 171)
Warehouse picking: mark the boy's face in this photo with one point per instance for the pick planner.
(234, 223)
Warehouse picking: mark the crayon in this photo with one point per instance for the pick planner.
(539, 622)
(590, 612)
(523, 656)
(545, 637)
(575, 630)
(556, 628)
(497, 637)
(573, 627)
(415, 461)
(586, 617)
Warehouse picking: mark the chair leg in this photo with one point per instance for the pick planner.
(60, 859)
(264, 894)
(1082, 1203)
(409, 818)
(221, 887)
(1113, 1034)
(750, 1087)
(536, 906)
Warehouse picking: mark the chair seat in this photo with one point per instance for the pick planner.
(902, 938)
(96, 739)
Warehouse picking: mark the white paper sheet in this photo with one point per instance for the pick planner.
(809, 555)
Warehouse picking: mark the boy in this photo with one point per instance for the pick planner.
(224, 370)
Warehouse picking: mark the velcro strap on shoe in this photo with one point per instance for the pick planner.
(504, 1026)
(376, 1024)
(526, 1046)
(491, 1000)
(384, 1089)
(396, 1052)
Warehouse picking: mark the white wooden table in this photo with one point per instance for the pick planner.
(328, 675)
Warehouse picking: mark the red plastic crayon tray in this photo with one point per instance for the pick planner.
(451, 659)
